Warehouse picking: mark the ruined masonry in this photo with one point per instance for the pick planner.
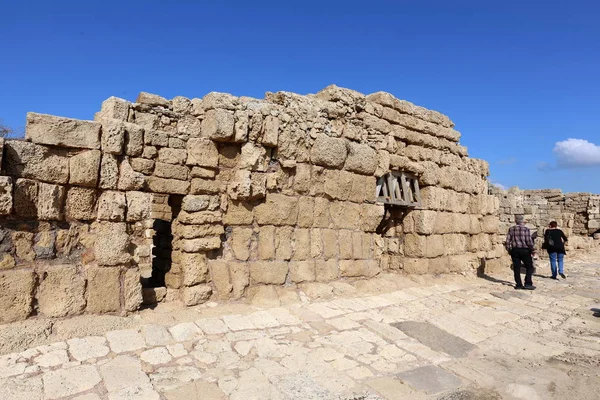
(226, 197)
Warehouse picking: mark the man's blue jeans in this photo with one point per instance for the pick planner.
(554, 257)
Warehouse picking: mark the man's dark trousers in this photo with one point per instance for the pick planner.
(522, 256)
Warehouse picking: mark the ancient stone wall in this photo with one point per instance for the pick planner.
(231, 196)
(577, 214)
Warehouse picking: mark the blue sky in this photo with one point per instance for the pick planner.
(519, 78)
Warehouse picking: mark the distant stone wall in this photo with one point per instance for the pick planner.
(577, 214)
(225, 197)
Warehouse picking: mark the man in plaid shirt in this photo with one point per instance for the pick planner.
(520, 246)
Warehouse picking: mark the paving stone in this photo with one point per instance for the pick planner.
(435, 338)
(243, 347)
(300, 386)
(21, 388)
(156, 356)
(263, 320)
(10, 365)
(69, 381)
(170, 378)
(392, 388)
(156, 335)
(238, 322)
(124, 379)
(177, 350)
(52, 359)
(431, 379)
(125, 340)
(89, 347)
(228, 384)
(89, 396)
(343, 323)
(212, 326)
(197, 390)
(284, 316)
(185, 332)
(359, 373)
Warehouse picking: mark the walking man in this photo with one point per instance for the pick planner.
(520, 247)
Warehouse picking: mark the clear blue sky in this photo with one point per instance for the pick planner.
(517, 77)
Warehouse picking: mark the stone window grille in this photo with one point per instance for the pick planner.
(399, 188)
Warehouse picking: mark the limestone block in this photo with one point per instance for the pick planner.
(268, 272)
(152, 100)
(270, 131)
(283, 243)
(113, 136)
(316, 243)
(456, 243)
(61, 291)
(171, 171)
(201, 172)
(435, 246)
(326, 270)
(200, 244)
(481, 242)
(337, 184)
(373, 123)
(371, 216)
(103, 289)
(50, 201)
(218, 125)
(29, 160)
(415, 245)
(363, 188)
(329, 152)
(112, 243)
(113, 108)
(219, 100)
(202, 152)
(199, 218)
(195, 295)
(129, 179)
(322, 216)
(134, 139)
(240, 129)
(22, 243)
(194, 203)
(345, 241)
(44, 245)
(196, 231)
(306, 212)
(84, 167)
(266, 243)
(219, 273)
(205, 186)
(416, 266)
(301, 244)
(359, 268)
(383, 163)
(278, 209)
(16, 294)
(253, 157)
(490, 224)
(6, 198)
(420, 221)
(345, 215)
(172, 156)
(302, 178)
(171, 186)
(109, 172)
(194, 268)
(132, 290)
(111, 206)
(65, 132)
(302, 271)
(154, 137)
(361, 159)
(330, 243)
(190, 126)
(241, 242)
(240, 185)
(240, 278)
(81, 203)
(139, 206)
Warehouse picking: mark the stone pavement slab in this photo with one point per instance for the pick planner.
(431, 379)
(435, 338)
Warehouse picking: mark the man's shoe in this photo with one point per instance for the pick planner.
(563, 276)
(529, 287)
(518, 286)
(553, 277)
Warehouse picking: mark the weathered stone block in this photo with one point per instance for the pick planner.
(270, 131)
(113, 136)
(171, 171)
(240, 242)
(202, 152)
(417, 266)
(326, 271)
(81, 203)
(58, 131)
(345, 215)
(435, 246)
(371, 216)
(113, 108)
(139, 206)
(129, 179)
(134, 140)
(109, 172)
(103, 289)
(154, 137)
(268, 272)
(219, 272)
(161, 185)
(195, 203)
(22, 243)
(218, 125)
(205, 186)
(199, 218)
(111, 206)
(194, 268)
(196, 231)
(253, 157)
(302, 271)
(345, 240)
(329, 152)
(44, 245)
(112, 243)
(16, 294)
(301, 244)
(172, 156)
(240, 278)
(415, 245)
(316, 243)
(490, 224)
(50, 202)
(195, 295)
(61, 291)
(266, 243)
(6, 198)
(84, 167)
(132, 290)
(420, 221)
(359, 268)
(455, 243)
(330, 243)
(29, 160)
(201, 172)
(362, 158)
(306, 212)
(200, 244)
(278, 209)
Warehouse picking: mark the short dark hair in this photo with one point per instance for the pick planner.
(553, 224)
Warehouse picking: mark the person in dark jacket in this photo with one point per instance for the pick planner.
(520, 247)
(554, 242)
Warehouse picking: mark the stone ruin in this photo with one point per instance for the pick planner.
(229, 197)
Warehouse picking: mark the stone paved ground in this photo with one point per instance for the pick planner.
(456, 339)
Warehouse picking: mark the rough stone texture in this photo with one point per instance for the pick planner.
(202, 152)
(61, 291)
(111, 206)
(58, 131)
(109, 172)
(218, 125)
(50, 202)
(329, 152)
(16, 294)
(132, 290)
(103, 289)
(111, 246)
(84, 168)
(29, 160)
(196, 294)
(67, 382)
(129, 179)
(81, 203)
(113, 136)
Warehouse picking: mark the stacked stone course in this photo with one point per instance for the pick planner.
(253, 194)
